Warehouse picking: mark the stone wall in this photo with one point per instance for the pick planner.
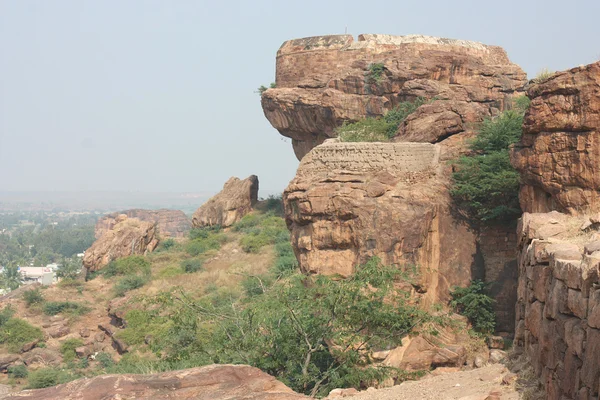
(498, 248)
(558, 307)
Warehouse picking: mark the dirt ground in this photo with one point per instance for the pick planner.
(476, 384)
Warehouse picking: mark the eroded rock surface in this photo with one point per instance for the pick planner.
(559, 154)
(229, 205)
(170, 223)
(212, 382)
(129, 236)
(351, 201)
(325, 80)
(558, 308)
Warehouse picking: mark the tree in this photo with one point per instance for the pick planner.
(10, 278)
(69, 268)
(486, 186)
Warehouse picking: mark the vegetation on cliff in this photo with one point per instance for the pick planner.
(380, 129)
(475, 303)
(486, 186)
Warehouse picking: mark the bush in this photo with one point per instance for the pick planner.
(263, 88)
(166, 245)
(16, 332)
(485, 185)
(32, 297)
(18, 371)
(285, 264)
(142, 324)
(254, 242)
(69, 269)
(375, 72)
(68, 307)
(128, 283)
(205, 239)
(6, 314)
(541, 76)
(47, 377)
(474, 303)
(379, 129)
(67, 349)
(131, 265)
(191, 265)
(104, 359)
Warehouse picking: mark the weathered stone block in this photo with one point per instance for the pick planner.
(577, 304)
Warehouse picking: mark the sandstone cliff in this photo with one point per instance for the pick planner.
(129, 236)
(170, 223)
(559, 154)
(229, 205)
(558, 308)
(352, 201)
(326, 80)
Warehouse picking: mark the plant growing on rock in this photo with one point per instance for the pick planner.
(486, 186)
(375, 72)
(474, 303)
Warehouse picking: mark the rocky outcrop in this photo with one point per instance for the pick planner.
(326, 80)
(129, 236)
(559, 154)
(170, 223)
(351, 201)
(203, 383)
(558, 309)
(229, 205)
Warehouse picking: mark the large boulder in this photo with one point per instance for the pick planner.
(129, 236)
(170, 223)
(558, 156)
(352, 201)
(324, 81)
(212, 382)
(229, 205)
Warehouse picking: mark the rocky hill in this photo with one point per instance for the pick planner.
(351, 201)
(170, 223)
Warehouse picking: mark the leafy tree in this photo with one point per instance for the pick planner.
(474, 303)
(486, 186)
(10, 278)
(69, 268)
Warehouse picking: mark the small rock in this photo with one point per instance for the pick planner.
(479, 362)
(586, 224)
(595, 219)
(495, 342)
(82, 351)
(84, 332)
(592, 247)
(508, 379)
(380, 355)
(337, 393)
(497, 356)
(58, 331)
(6, 360)
(29, 346)
(99, 337)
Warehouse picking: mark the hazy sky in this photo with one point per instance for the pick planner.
(160, 95)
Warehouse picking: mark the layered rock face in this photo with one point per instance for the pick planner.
(559, 154)
(351, 201)
(558, 309)
(229, 205)
(170, 223)
(326, 80)
(129, 236)
(203, 383)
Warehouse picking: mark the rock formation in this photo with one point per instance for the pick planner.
(127, 237)
(326, 80)
(170, 223)
(202, 383)
(558, 309)
(229, 205)
(559, 154)
(352, 201)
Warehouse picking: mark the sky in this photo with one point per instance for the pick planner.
(160, 96)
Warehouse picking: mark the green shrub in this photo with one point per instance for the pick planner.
(285, 264)
(131, 265)
(67, 307)
(104, 359)
(47, 377)
(166, 245)
(18, 371)
(474, 303)
(6, 314)
(128, 283)
(142, 324)
(16, 332)
(191, 265)
(485, 185)
(379, 129)
(67, 349)
(205, 239)
(253, 243)
(248, 222)
(375, 72)
(69, 269)
(263, 88)
(32, 297)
